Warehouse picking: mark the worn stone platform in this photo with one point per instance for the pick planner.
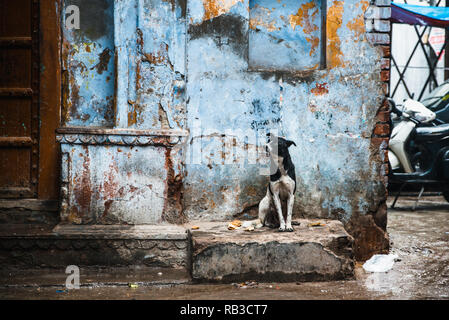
(210, 254)
(307, 254)
(43, 246)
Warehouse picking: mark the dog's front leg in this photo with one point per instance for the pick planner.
(277, 204)
(291, 200)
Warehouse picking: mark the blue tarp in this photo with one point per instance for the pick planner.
(421, 15)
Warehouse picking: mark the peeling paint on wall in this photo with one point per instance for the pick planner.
(207, 67)
(334, 23)
(284, 35)
(88, 67)
(215, 8)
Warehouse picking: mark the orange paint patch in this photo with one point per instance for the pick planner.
(261, 17)
(320, 89)
(304, 17)
(334, 23)
(215, 8)
(134, 113)
(358, 24)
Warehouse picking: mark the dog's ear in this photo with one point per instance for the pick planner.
(289, 143)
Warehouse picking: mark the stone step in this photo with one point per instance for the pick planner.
(31, 246)
(307, 254)
(211, 253)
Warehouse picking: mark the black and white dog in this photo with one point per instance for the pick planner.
(281, 188)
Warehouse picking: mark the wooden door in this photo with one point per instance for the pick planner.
(19, 98)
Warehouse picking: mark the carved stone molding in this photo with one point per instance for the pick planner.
(121, 137)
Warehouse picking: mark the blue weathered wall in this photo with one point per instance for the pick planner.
(200, 69)
(330, 114)
(88, 65)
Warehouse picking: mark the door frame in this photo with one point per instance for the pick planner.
(46, 83)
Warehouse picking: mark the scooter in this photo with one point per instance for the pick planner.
(418, 153)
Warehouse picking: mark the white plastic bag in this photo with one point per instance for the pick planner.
(380, 263)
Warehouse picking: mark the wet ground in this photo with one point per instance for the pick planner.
(420, 238)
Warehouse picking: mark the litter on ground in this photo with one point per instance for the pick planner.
(380, 263)
(317, 224)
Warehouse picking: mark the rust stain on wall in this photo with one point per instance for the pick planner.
(174, 194)
(104, 58)
(215, 8)
(334, 23)
(134, 113)
(160, 57)
(306, 13)
(320, 89)
(82, 190)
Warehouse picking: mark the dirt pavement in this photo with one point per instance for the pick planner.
(420, 238)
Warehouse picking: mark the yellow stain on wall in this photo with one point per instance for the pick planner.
(215, 8)
(334, 22)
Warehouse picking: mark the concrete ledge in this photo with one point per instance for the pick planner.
(147, 232)
(308, 254)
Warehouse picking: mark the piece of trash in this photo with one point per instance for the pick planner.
(195, 228)
(380, 263)
(159, 273)
(61, 291)
(237, 223)
(247, 224)
(231, 227)
(234, 225)
(246, 284)
(316, 224)
(133, 285)
(251, 225)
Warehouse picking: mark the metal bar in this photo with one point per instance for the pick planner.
(419, 197)
(14, 42)
(428, 78)
(401, 79)
(425, 53)
(323, 57)
(16, 92)
(16, 142)
(446, 49)
(397, 195)
(14, 192)
(401, 74)
(35, 105)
